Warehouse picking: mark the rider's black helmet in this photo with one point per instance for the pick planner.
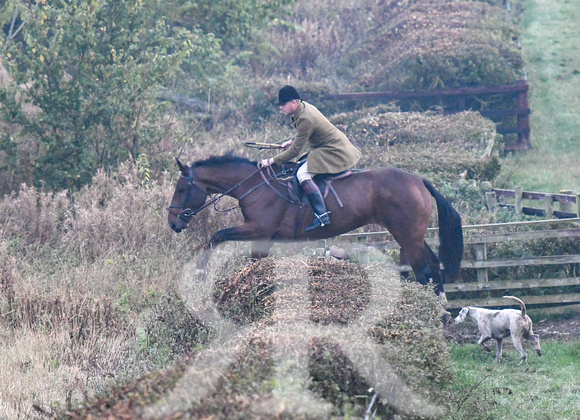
(287, 94)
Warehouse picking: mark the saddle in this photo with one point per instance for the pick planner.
(324, 183)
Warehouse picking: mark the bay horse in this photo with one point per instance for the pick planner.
(399, 201)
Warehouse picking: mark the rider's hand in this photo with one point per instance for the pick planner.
(266, 162)
(286, 144)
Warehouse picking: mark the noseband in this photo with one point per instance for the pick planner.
(187, 213)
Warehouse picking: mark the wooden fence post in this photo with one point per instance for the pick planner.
(523, 120)
(481, 255)
(567, 207)
(491, 200)
(364, 253)
(518, 204)
(549, 205)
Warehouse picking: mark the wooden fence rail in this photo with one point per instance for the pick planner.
(567, 203)
(543, 292)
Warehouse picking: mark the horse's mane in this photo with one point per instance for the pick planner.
(223, 160)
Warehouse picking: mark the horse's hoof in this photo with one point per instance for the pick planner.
(446, 318)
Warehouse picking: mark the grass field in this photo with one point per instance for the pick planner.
(550, 34)
(547, 387)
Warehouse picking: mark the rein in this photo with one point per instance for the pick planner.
(187, 213)
(266, 181)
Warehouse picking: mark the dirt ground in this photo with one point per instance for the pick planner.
(565, 330)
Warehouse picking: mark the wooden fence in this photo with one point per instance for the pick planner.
(551, 294)
(562, 206)
(520, 110)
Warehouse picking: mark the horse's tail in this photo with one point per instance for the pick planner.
(450, 234)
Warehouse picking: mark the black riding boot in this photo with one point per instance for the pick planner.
(321, 216)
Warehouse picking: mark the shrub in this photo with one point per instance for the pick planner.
(395, 45)
(84, 87)
(432, 44)
(433, 145)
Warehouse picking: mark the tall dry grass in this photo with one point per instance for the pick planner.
(81, 277)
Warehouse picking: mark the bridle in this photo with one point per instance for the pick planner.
(186, 213)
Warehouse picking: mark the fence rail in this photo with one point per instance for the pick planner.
(551, 298)
(519, 90)
(567, 203)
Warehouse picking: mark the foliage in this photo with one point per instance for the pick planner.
(434, 44)
(216, 61)
(87, 284)
(84, 84)
(246, 296)
(417, 321)
(170, 331)
(235, 23)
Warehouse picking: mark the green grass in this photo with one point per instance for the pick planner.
(546, 387)
(549, 41)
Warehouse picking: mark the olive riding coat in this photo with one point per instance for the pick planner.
(331, 151)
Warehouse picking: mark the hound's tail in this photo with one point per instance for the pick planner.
(518, 301)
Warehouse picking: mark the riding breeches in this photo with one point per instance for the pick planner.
(303, 173)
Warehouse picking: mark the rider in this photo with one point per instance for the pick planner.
(331, 151)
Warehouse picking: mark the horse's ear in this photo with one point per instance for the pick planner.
(182, 167)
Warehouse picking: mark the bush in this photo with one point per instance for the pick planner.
(433, 145)
(83, 93)
(433, 44)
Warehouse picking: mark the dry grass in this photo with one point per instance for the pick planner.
(81, 277)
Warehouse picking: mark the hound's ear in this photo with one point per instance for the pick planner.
(182, 167)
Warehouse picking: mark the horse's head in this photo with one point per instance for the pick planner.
(188, 197)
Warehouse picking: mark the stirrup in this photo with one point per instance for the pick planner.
(318, 221)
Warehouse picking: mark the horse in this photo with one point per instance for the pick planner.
(396, 199)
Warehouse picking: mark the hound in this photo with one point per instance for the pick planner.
(499, 324)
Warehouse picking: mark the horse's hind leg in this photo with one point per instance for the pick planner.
(426, 267)
(435, 271)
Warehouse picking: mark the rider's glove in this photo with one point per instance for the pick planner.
(266, 162)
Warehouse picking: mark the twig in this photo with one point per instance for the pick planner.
(11, 35)
(470, 393)
(370, 406)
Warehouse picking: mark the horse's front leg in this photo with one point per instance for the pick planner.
(239, 233)
(245, 232)
(260, 248)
